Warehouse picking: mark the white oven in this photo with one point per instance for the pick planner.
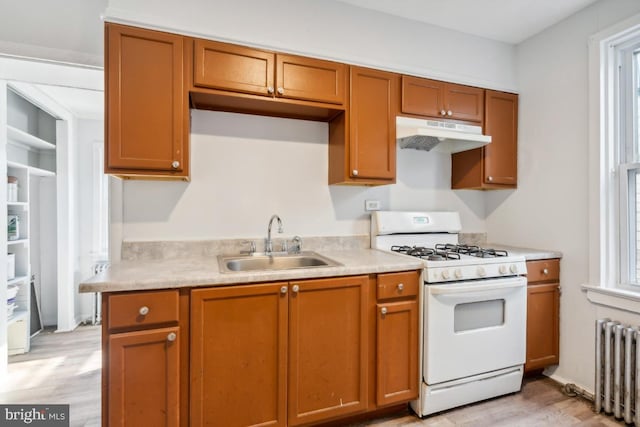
(473, 327)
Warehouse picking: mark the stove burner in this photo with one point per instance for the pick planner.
(438, 254)
(472, 250)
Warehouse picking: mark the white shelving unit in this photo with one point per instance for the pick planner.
(31, 157)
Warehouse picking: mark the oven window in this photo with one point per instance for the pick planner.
(477, 315)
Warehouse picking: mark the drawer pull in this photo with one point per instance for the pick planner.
(295, 288)
(383, 310)
(171, 337)
(545, 271)
(400, 287)
(144, 310)
(283, 290)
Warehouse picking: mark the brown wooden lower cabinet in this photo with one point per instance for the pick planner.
(397, 335)
(273, 354)
(144, 378)
(238, 355)
(327, 349)
(543, 314)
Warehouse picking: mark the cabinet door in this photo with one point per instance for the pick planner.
(235, 68)
(543, 308)
(464, 102)
(423, 97)
(310, 79)
(146, 102)
(238, 355)
(501, 122)
(397, 352)
(327, 349)
(144, 378)
(372, 141)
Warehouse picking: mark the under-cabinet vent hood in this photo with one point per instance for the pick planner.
(439, 136)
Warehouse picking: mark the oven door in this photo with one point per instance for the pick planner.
(473, 327)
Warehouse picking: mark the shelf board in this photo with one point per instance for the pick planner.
(32, 170)
(23, 205)
(15, 242)
(27, 139)
(17, 315)
(17, 279)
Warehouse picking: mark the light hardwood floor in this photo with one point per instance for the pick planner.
(65, 368)
(61, 368)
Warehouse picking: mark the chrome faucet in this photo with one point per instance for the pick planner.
(268, 245)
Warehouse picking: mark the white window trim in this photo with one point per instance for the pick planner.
(604, 247)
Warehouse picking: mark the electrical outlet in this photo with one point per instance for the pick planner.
(372, 205)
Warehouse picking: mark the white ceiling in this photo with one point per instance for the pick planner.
(509, 21)
(82, 103)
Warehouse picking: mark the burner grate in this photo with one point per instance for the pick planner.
(438, 254)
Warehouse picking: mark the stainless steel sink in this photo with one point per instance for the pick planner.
(257, 262)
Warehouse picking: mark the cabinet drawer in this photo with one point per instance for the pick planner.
(546, 270)
(142, 309)
(398, 285)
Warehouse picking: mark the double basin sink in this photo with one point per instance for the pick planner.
(275, 261)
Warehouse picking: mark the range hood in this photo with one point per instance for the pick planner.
(434, 135)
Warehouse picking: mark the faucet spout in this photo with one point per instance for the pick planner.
(268, 247)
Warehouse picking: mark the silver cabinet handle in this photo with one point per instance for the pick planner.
(175, 164)
(283, 290)
(383, 310)
(270, 89)
(443, 113)
(449, 113)
(400, 286)
(295, 288)
(172, 336)
(144, 310)
(545, 271)
(489, 178)
(280, 91)
(355, 172)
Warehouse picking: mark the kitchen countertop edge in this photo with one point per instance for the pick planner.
(204, 271)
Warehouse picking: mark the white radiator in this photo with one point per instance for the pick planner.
(617, 389)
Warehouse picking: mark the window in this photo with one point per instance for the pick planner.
(627, 158)
(618, 153)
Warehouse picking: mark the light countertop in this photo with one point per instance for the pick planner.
(528, 253)
(204, 271)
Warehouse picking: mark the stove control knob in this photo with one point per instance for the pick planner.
(458, 273)
(482, 272)
(502, 269)
(513, 268)
(445, 275)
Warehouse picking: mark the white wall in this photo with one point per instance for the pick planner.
(333, 30)
(245, 168)
(550, 207)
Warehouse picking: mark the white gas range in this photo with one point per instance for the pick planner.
(473, 309)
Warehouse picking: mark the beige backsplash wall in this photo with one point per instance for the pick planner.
(246, 168)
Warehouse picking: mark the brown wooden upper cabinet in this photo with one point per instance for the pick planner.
(433, 98)
(362, 141)
(241, 69)
(147, 112)
(494, 166)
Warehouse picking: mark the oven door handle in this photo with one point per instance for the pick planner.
(453, 289)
